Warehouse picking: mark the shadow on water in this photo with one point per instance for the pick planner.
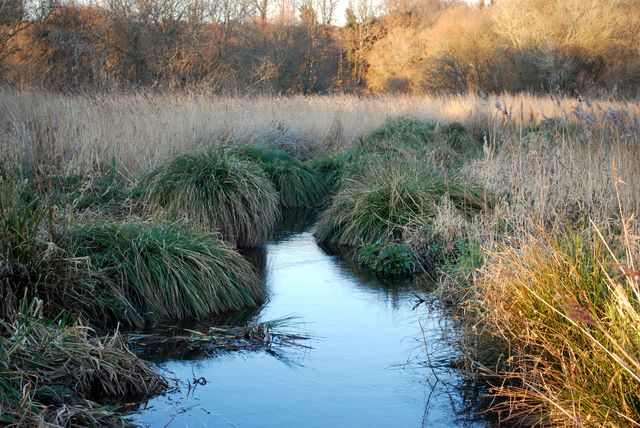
(374, 360)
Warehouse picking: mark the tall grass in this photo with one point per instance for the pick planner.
(397, 134)
(551, 319)
(298, 185)
(441, 145)
(217, 191)
(555, 327)
(74, 134)
(569, 314)
(168, 271)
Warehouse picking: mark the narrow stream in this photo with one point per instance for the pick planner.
(365, 366)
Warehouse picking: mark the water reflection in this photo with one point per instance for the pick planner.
(366, 366)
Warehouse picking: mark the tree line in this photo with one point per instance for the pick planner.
(297, 46)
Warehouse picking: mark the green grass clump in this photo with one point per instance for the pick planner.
(399, 134)
(298, 185)
(332, 168)
(456, 136)
(379, 209)
(58, 374)
(35, 265)
(568, 313)
(167, 271)
(217, 190)
(443, 145)
(390, 260)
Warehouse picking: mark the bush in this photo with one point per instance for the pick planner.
(167, 271)
(217, 190)
(378, 210)
(298, 185)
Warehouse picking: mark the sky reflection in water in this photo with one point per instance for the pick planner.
(364, 368)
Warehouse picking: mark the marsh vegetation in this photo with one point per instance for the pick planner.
(522, 209)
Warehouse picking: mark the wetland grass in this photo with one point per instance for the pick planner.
(218, 191)
(554, 321)
(169, 271)
(298, 185)
(35, 265)
(58, 374)
(442, 145)
(568, 314)
(379, 209)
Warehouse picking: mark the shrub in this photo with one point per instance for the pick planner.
(168, 271)
(217, 190)
(298, 185)
(379, 209)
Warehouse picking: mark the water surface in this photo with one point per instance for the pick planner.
(365, 368)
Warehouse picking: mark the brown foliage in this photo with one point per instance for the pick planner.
(242, 46)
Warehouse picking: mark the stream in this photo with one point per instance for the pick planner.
(365, 365)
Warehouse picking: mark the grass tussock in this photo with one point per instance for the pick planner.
(298, 185)
(168, 271)
(98, 194)
(398, 134)
(378, 210)
(35, 264)
(52, 374)
(568, 312)
(443, 145)
(217, 190)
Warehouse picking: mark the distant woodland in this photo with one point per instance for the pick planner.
(578, 47)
